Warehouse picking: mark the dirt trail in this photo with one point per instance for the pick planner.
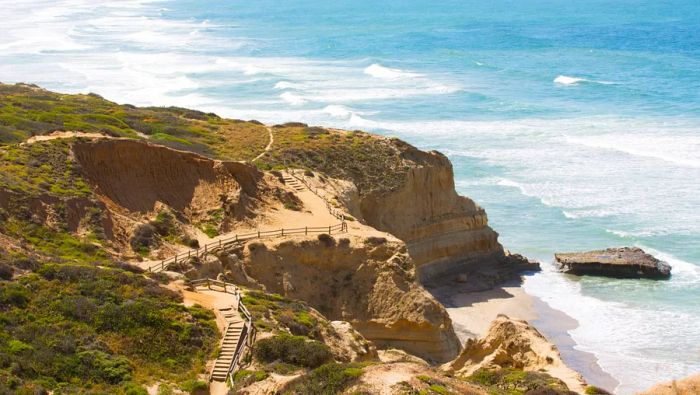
(63, 135)
(269, 145)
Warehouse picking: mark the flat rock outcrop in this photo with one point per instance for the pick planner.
(625, 262)
(513, 344)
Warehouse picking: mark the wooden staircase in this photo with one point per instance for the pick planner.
(239, 334)
(230, 344)
(292, 182)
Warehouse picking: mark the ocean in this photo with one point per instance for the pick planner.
(575, 124)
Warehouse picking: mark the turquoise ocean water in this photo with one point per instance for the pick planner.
(575, 124)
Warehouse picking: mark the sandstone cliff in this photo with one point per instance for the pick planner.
(446, 234)
(514, 344)
(687, 386)
(369, 282)
(136, 176)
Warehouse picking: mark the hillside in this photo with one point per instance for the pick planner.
(333, 237)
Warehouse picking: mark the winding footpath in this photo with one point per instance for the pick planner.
(269, 145)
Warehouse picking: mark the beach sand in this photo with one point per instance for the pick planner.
(472, 313)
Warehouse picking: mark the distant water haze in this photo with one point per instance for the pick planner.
(577, 126)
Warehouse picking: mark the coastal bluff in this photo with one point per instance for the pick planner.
(396, 188)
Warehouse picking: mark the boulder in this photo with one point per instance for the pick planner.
(626, 262)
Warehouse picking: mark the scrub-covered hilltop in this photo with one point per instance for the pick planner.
(343, 233)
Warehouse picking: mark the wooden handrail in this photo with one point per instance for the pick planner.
(247, 337)
(334, 211)
(222, 243)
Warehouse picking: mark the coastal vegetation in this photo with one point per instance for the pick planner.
(508, 381)
(26, 110)
(77, 319)
(85, 329)
(373, 164)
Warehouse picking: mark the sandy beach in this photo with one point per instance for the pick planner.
(473, 312)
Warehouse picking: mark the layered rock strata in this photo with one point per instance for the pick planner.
(446, 234)
(626, 262)
(513, 344)
(368, 282)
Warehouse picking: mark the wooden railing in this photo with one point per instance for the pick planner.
(247, 337)
(331, 209)
(223, 243)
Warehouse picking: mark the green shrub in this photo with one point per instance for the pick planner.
(593, 390)
(517, 382)
(134, 389)
(295, 350)
(439, 389)
(56, 325)
(331, 378)
(6, 271)
(192, 386)
(255, 375)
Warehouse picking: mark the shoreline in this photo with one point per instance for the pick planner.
(555, 326)
(473, 312)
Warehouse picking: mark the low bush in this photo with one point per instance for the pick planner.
(593, 390)
(517, 382)
(331, 378)
(71, 327)
(194, 386)
(326, 239)
(295, 350)
(143, 237)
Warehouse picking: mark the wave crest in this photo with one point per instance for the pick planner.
(386, 73)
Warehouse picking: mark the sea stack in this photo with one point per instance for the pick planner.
(625, 262)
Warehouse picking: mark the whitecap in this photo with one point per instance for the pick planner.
(566, 80)
(293, 99)
(674, 149)
(287, 85)
(338, 111)
(386, 73)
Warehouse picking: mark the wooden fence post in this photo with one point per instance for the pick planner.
(306, 230)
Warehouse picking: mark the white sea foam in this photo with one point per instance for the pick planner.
(386, 73)
(566, 80)
(680, 267)
(287, 85)
(611, 331)
(338, 111)
(676, 149)
(293, 99)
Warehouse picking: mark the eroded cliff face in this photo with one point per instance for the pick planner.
(367, 282)
(446, 234)
(514, 344)
(686, 386)
(137, 176)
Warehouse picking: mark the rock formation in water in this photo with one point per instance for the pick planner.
(626, 262)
